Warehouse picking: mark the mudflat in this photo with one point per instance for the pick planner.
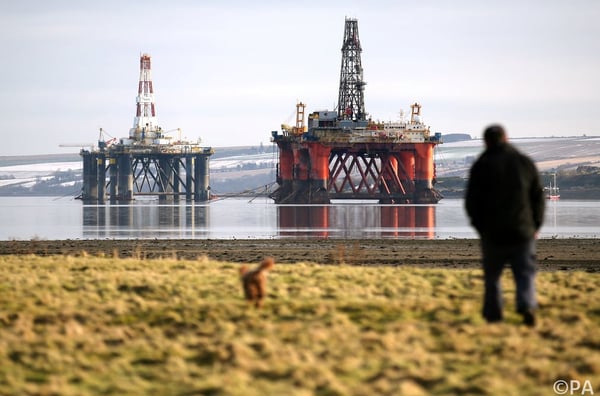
(552, 254)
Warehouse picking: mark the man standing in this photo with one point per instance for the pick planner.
(505, 202)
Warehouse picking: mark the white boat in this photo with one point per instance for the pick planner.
(552, 192)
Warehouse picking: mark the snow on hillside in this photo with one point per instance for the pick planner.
(239, 161)
(28, 174)
(42, 168)
(451, 158)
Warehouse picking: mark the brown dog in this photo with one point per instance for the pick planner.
(255, 282)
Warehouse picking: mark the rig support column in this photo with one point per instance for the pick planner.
(189, 177)
(201, 188)
(424, 174)
(424, 167)
(101, 180)
(164, 174)
(300, 186)
(90, 168)
(286, 172)
(125, 186)
(407, 164)
(175, 166)
(319, 173)
(114, 174)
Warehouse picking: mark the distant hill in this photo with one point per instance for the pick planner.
(221, 152)
(580, 183)
(11, 160)
(576, 160)
(455, 137)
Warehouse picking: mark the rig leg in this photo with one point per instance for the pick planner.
(424, 174)
(114, 173)
(176, 177)
(90, 186)
(202, 188)
(165, 174)
(189, 178)
(101, 178)
(319, 174)
(285, 174)
(125, 186)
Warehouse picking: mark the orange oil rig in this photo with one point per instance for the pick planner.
(343, 154)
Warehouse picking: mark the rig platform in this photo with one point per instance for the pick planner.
(343, 154)
(149, 161)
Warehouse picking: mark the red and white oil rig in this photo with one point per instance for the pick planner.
(149, 161)
(345, 155)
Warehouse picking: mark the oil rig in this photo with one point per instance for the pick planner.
(343, 154)
(149, 161)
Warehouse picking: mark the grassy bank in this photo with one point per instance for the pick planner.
(89, 325)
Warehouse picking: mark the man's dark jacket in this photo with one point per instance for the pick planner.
(505, 199)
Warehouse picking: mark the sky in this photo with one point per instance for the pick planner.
(230, 72)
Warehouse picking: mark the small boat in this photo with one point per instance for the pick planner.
(552, 190)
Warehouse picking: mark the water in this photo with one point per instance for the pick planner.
(51, 218)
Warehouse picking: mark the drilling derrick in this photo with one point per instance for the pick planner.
(145, 122)
(344, 155)
(351, 100)
(147, 162)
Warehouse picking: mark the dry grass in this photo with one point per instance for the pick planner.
(89, 325)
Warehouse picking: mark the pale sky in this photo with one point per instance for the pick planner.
(230, 72)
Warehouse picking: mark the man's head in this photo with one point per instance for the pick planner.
(494, 135)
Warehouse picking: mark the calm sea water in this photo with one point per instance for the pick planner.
(65, 218)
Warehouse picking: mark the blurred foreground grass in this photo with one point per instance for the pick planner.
(89, 325)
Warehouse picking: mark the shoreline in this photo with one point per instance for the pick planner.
(552, 254)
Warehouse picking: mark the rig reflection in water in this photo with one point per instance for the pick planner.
(239, 219)
(358, 221)
(145, 221)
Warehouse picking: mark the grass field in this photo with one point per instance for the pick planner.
(93, 325)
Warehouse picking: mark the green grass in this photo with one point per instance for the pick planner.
(90, 325)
